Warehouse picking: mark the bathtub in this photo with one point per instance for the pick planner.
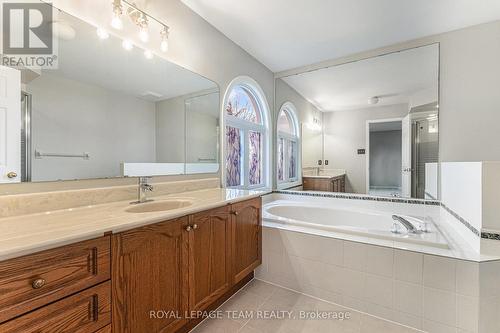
(350, 221)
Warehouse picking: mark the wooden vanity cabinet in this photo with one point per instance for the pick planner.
(334, 184)
(210, 257)
(65, 289)
(86, 312)
(247, 237)
(150, 278)
(183, 266)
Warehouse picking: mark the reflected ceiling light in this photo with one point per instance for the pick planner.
(142, 22)
(102, 34)
(144, 35)
(374, 100)
(116, 22)
(164, 39)
(148, 54)
(127, 45)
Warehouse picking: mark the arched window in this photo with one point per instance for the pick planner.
(288, 145)
(246, 135)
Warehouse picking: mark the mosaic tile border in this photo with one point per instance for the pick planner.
(359, 197)
(462, 220)
(484, 235)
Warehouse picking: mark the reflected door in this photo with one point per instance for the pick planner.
(406, 157)
(10, 125)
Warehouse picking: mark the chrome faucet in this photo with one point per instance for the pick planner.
(144, 188)
(407, 224)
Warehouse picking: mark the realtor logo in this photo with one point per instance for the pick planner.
(27, 34)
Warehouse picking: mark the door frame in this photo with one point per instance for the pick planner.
(367, 145)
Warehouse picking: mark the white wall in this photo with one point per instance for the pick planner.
(170, 130)
(66, 113)
(345, 133)
(202, 128)
(470, 102)
(202, 135)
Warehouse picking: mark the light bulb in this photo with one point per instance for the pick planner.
(148, 54)
(116, 22)
(127, 45)
(143, 34)
(164, 45)
(164, 39)
(102, 34)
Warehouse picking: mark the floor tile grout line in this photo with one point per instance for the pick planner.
(260, 306)
(342, 306)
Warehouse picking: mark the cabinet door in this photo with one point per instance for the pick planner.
(209, 257)
(150, 278)
(247, 237)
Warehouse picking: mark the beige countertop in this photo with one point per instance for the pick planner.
(325, 174)
(25, 234)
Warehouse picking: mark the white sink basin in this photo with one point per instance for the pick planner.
(159, 206)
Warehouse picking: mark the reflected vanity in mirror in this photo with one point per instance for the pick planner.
(370, 126)
(113, 109)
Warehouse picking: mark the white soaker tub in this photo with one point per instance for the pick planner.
(353, 221)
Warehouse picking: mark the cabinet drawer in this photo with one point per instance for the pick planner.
(29, 282)
(86, 312)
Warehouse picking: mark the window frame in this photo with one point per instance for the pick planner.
(289, 109)
(245, 126)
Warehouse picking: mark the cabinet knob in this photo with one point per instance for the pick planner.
(38, 283)
(188, 228)
(195, 226)
(234, 212)
(12, 174)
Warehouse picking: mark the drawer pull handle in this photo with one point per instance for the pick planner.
(38, 283)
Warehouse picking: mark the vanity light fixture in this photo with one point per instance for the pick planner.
(102, 34)
(164, 39)
(148, 54)
(127, 45)
(139, 18)
(116, 22)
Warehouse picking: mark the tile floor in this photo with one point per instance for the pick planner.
(255, 308)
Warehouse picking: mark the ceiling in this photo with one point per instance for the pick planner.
(105, 63)
(284, 34)
(405, 77)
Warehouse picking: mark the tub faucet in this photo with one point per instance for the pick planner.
(144, 188)
(407, 224)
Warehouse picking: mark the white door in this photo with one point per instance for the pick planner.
(406, 157)
(10, 125)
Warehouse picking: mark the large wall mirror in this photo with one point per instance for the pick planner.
(109, 109)
(370, 126)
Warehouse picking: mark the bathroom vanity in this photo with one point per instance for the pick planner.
(146, 279)
(334, 182)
